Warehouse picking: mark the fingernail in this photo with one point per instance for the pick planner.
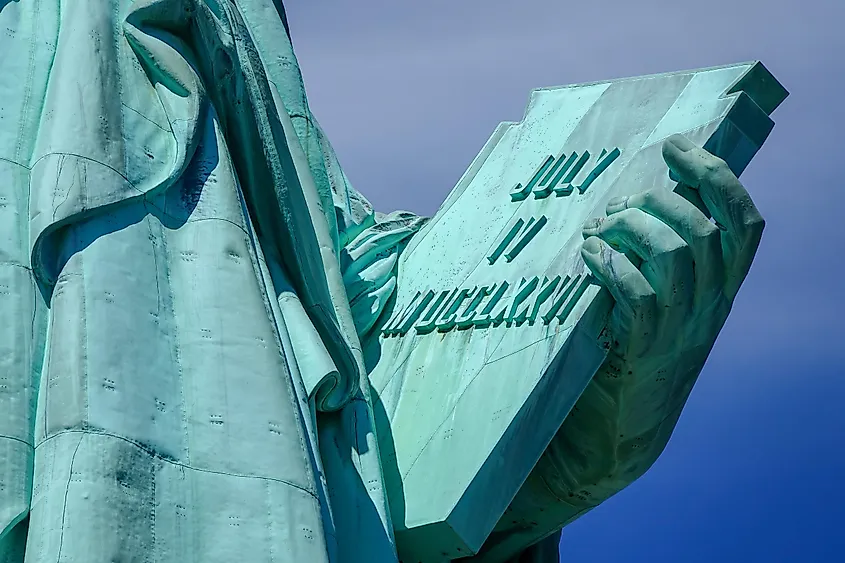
(591, 246)
(618, 202)
(681, 143)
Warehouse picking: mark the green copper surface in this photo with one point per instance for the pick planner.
(214, 350)
(466, 415)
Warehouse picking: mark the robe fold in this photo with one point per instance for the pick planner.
(185, 297)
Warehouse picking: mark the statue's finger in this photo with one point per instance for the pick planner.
(727, 200)
(701, 235)
(724, 196)
(667, 262)
(634, 317)
(692, 196)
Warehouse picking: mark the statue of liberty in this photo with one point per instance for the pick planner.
(188, 282)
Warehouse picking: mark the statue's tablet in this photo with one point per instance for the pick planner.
(497, 324)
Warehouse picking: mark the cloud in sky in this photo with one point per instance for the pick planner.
(409, 91)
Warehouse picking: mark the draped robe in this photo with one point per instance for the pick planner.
(185, 279)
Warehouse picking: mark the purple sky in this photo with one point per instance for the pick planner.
(754, 470)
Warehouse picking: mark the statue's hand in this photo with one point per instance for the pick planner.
(672, 272)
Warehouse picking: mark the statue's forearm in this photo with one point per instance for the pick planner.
(614, 433)
(616, 430)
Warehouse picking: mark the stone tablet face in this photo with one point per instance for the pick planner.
(497, 324)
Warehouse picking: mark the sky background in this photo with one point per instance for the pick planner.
(754, 469)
